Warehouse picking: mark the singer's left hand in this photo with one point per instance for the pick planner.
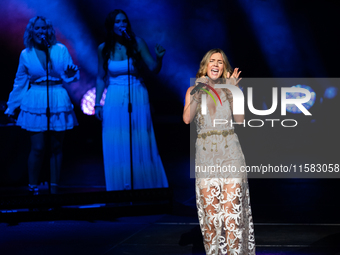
(71, 71)
(234, 77)
(160, 51)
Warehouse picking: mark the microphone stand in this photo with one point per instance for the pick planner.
(130, 124)
(129, 43)
(48, 114)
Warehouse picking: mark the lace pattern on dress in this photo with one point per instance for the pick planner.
(222, 197)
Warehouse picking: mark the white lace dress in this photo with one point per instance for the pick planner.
(222, 196)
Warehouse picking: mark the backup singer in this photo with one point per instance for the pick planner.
(120, 48)
(29, 93)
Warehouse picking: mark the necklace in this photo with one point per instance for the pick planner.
(119, 46)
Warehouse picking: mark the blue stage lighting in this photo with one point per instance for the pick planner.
(331, 92)
(88, 101)
(292, 107)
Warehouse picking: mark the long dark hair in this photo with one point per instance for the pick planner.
(110, 41)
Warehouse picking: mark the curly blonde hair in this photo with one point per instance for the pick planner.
(202, 71)
(28, 35)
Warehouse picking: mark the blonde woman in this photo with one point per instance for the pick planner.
(30, 94)
(222, 197)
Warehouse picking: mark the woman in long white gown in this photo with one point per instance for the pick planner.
(222, 197)
(120, 49)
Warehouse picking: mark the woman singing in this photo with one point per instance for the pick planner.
(120, 54)
(222, 197)
(30, 94)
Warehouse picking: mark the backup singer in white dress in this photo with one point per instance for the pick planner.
(148, 171)
(30, 94)
(222, 198)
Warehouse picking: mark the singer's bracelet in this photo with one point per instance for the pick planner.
(97, 105)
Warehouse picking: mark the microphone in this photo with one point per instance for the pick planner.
(126, 35)
(198, 87)
(44, 41)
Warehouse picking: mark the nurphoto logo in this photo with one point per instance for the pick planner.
(238, 104)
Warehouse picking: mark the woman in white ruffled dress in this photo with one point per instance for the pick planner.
(30, 94)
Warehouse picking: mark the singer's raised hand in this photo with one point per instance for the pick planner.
(71, 71)
(234, 78)
(160, 51)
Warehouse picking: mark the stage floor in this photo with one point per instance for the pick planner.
(291, 216)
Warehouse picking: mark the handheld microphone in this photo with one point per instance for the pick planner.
(45, 42)
(198, 87)
(126, 35)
